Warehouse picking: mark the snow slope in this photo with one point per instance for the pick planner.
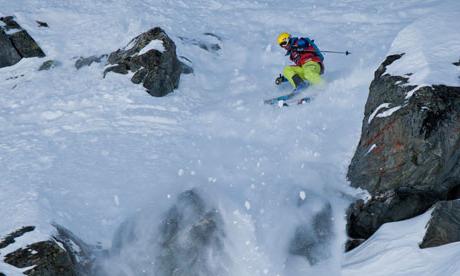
(88, 152)
(394, 250)
(431, 45)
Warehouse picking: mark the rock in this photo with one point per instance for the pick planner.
(312, 241)
(364, 218)
(205, 43)
(408, 156)
(15, 43)
(42, 24)
(87, 61)
(353, 243)
(49, 64)
(417, 146)
(63, 254)
(11, 238)
(157, 69)
(8, 55)
(191, 236)
(188, 242)
(444, 224)
(186, 65)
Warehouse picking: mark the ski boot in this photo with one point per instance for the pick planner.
(300, 84)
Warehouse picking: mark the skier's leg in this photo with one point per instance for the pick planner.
(311, 72)
(290, 71)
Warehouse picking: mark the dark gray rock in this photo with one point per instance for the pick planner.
(15, 43)
(365, 218)
(444, 225)
(160, 71)
(191, 237)
(353, 243)
(188, 242)
(312, 240)
(11, 238)
(87, 61)
(26, 45)
(42, 24)
(49, 64)
(186, 65)
(8, 54)
(64, 254)
(417, 146)
(204, 43)
(408, 160)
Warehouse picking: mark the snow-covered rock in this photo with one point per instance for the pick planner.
(411, 123)
(151, 56)
(188, 241)
(61, 254)
(312, 241)
(16, 43)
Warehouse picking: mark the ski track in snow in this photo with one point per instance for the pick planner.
(88, 152)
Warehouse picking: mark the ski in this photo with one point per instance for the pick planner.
(281, 98)
(303, 100)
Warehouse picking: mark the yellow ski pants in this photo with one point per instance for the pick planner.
(310, 71)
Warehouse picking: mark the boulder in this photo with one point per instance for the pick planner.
(152, 58)
(8, 54)
(364, 218)
(49, 64)
(191, 236)
(15, 43)
(189, 241)
(62, 254)
(444, 224)
(408, 156)
(87, 61)
(312, 240)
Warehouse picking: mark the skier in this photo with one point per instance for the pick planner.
(308, 62)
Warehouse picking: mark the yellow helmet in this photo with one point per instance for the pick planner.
(283, 38)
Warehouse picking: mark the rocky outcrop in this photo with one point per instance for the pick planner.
(189, 241)
(152, 58)
(444, 224)
(408, 156)
(364, 218)
(63, 254)
(312, 240)
(15, 43)
(191, 236)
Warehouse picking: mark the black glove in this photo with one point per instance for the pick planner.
(280, 79)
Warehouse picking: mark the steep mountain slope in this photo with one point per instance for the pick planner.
(90, 153)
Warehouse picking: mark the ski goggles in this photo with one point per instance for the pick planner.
(284, 43)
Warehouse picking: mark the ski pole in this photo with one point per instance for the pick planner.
(336, 52)
(332, 52)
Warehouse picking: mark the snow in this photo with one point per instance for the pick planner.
(431, 45)
(389, 112)
(153, 45)
(371, 148)
(376, 111)
(393, 250)
(89, 153)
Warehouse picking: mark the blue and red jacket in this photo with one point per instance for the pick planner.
(302, 49)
